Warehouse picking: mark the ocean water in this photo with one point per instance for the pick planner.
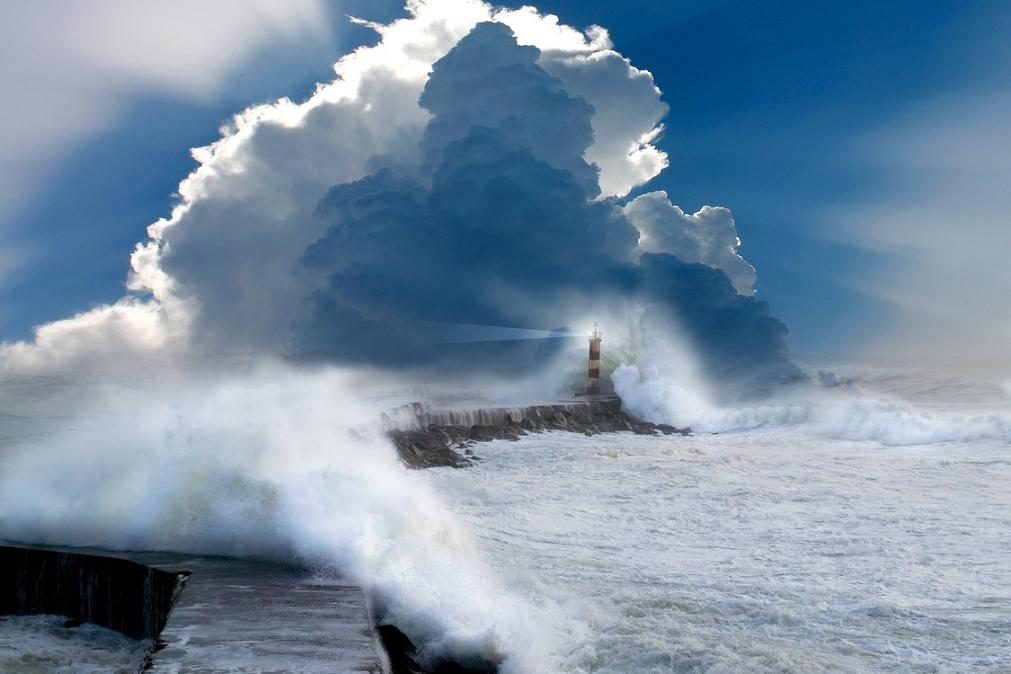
(787, 547)
(858, 528)
(43, 645)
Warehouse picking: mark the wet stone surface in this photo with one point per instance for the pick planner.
(445, 437)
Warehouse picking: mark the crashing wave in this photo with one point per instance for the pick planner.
(846, 414)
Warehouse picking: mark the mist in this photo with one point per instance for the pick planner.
(285, 463)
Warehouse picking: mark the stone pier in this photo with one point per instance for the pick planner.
(428, 438)
(201, 614)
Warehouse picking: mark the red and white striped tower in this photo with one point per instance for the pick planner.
(593, 372)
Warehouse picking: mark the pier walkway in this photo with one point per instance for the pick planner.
(230, 615)
(238, 615)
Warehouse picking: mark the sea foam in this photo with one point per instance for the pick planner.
(277, 462)
(846, 413)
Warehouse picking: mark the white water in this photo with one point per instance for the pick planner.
(276, 462)
(945, 411)
(770, 550)
(863, 529)
(807, 536)
(42, 645)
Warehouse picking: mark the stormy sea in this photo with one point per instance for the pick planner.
(852, 534)
(858, 524)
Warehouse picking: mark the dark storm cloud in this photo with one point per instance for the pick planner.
(489, 81)
(736, 336)
(501, 228)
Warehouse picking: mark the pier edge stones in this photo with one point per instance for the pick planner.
(119, 594)
(439, 436)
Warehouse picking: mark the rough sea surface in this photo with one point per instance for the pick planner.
(41, 644)
(775, 549)
(860, 527)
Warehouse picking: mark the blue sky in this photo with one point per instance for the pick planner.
(808, 120)
(771, 103)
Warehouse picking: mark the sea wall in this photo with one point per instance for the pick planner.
(249, 616)
(427, 438)
(116, 593)
(403, 653)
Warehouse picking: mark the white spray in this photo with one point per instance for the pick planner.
(274, 462)
(662, 383)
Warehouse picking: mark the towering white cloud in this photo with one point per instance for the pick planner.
(708, 236)
(224, 271)
(626, 119)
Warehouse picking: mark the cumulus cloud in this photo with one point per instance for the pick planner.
(708, 236)
(506, 89)
(463, 170)
(97, 339)
(736, 337)
(626, 119)
(509, 233)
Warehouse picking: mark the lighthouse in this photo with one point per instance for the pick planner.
(593, 370)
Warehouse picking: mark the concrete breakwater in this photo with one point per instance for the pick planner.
(239, 615)
(235, 615)
(126, 596)
(427, 438)
(403, 657)
(249, 615)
